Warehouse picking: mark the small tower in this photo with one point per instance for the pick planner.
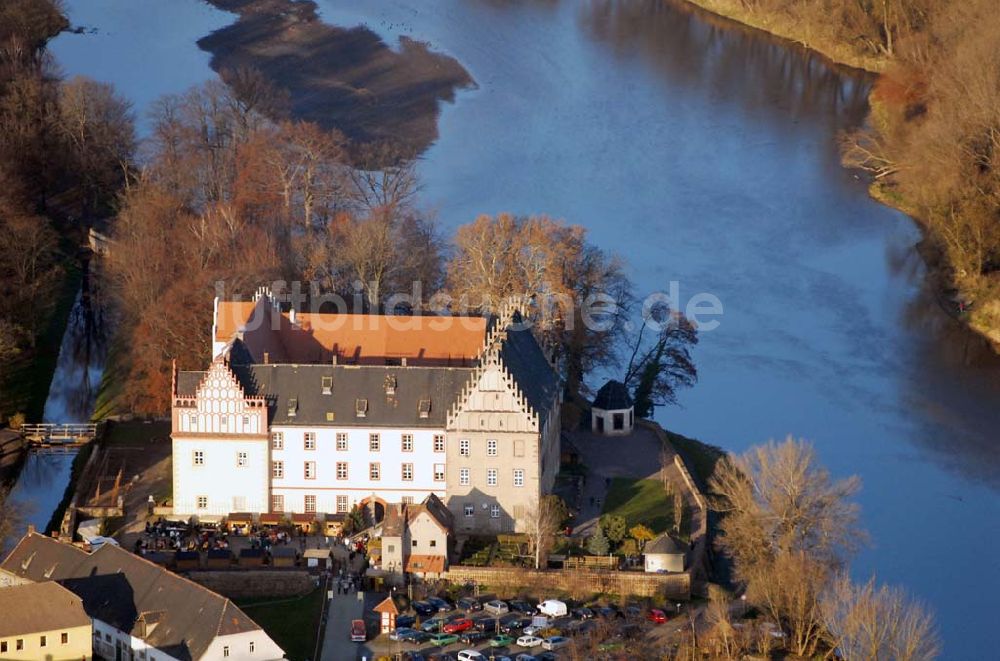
(612, 413)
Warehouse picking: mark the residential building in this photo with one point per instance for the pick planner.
(415, 538)
(317, 413)
(43, 621)
(665, 554)
(137, 609)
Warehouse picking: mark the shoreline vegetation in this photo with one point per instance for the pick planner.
(942, 174)
(346, 79)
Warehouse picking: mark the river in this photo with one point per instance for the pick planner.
(704, 154)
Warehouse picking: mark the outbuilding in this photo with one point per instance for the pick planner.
(612, 413)
(664, 554)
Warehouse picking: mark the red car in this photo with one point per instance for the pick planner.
(458, 626)
(656, 616)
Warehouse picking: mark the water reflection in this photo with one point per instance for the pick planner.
(706, 53)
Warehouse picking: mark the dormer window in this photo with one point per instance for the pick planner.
(361, 407)
(390, 384)
(327, 385)
(293, 407)
(424, 408)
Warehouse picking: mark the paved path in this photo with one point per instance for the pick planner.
(636, 455)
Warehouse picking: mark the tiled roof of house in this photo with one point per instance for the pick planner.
(169, 612)
(665, 545)
(37, 607)
(528, 365)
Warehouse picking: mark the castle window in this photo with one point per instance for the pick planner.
(390, 384)
(341, 470)
(374, 444)
(491, 447)
(201, 502)
(374, 471)
(439, 472)
(242, 460)
(199, 458)
(310, 504)
(463, 447)
(407, 442)
(491, 477)
(342, 441)
(407, 472)
(469, 509)
(518, 477)
(424, 408)
(341, 504)
(277, 469)
(327, 385)
(439, 442)
(494, 511)
(277, 441)
(309, 440)
(463, 477)
(309, 470)
(293, 407)
(277, 503)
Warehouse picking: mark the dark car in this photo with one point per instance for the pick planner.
(579, 613)
(511, 622)
(472, 637)
(411, 636)
(486, 624)
(405, 621)
(424, 608)
(632, 611)
(607, 612)
(440, 604)
(521, 606)
(469, 604)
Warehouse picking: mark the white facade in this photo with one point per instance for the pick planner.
(316, 467)
(220, 449)
(246, 646)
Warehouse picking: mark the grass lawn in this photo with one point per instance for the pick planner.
(639, 501)
(291, 623)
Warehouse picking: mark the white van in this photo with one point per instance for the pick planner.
(553, 608)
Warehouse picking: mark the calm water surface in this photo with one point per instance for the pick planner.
(705, 155)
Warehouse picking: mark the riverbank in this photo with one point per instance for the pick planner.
(346, 79)
(950, 293)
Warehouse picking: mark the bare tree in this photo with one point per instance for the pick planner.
(541, 525)
(867, 621)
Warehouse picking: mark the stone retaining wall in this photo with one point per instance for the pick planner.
(255, 584)
(576, 583)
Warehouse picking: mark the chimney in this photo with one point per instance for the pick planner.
(31, 528)
(404, 361)
(335, 358)
(267, 357)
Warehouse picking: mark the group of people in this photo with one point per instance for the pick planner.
(162, 535)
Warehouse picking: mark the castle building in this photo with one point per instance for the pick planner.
(316, 413)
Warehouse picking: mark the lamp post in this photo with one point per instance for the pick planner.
(743, 609)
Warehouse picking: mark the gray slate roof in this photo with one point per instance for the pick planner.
(121, 588)
(38, 607)
(534, 375)
(613, 396)
(665, 545)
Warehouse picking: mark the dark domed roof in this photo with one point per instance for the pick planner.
(613, 396)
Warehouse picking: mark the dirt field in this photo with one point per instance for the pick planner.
(345, 79)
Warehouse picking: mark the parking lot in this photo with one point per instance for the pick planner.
(515, 630)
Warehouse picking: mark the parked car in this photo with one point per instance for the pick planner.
(553, 608)
(521, 606)
(440, 604)
(401, 633)
(496, 607)
(555, 643)
(432, 625)
(424, 608)
(358, 632)
(472, 637)
(633, 611)
(656, 616)
(488, 624)
(405, 621)
(538, 625)
(525, 657)
(579, 613)
(529, 641)
(457, 626)
(501, 640)
(470, 655)
(443, 639)
(469, 604)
